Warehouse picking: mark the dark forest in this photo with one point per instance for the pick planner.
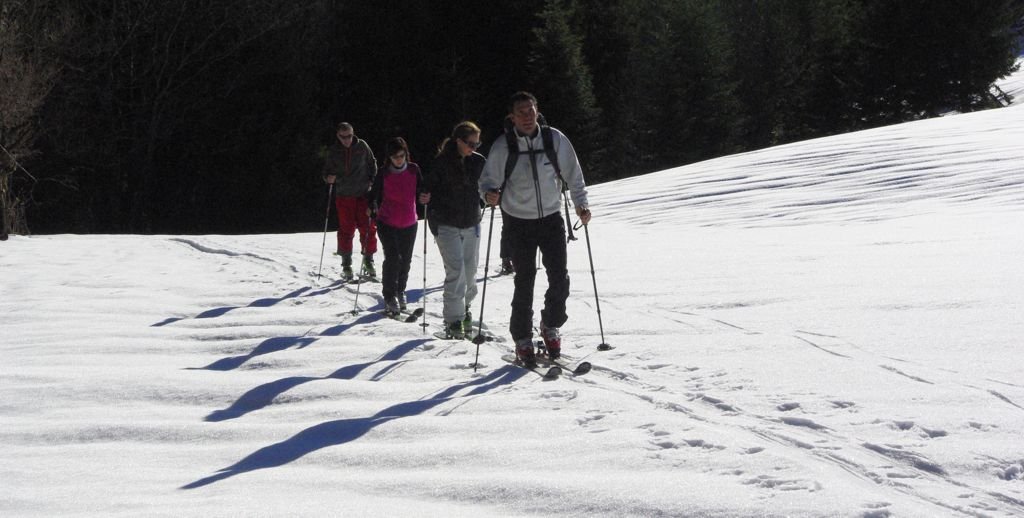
(211, 116)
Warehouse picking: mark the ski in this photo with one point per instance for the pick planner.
(405, 316)
(441, 335)
(334, 282)
(562, 361)
(548, 372)
(580, 369)
(488, 337)
(356, 279)
(471, 335)
(603, 346)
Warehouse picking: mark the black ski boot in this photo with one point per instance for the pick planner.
(346, 267)
(525, 353)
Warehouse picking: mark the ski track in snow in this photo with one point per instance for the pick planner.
(824, 328)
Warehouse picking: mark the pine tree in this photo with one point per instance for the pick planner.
(563, 82)
(608, 32)
(921, 58)
(30, 32)
(685, 103)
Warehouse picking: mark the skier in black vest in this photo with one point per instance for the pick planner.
(527, 183)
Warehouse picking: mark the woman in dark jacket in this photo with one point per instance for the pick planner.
(454, 217)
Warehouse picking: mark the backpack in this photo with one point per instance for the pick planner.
(549, 150)
(513, 149)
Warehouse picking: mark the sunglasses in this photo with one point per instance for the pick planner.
(472, 144)
(344, 137)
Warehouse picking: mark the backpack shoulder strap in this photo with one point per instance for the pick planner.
(513, 150)
(549, 149)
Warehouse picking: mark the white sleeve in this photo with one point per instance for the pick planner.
(493, 174)
(572, 172)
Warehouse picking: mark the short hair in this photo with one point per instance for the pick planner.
(344, 126)
(519, 97)
(396, 144)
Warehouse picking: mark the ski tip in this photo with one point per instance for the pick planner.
(582, 368)
(552, 372)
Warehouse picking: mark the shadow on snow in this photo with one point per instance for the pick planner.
(265, 394)
(258, 303)
(280, 343)
(342, 431)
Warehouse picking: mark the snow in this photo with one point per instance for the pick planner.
(827, 328)
(1014, 83)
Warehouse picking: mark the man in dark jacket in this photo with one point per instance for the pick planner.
(350, 166)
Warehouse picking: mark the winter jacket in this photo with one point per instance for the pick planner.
(527, 196)
(394, 194)
(353, 166)
(453, 185)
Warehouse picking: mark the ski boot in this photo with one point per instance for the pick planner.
(391, 308)
(552, 341)
(453, 330)
(525, 353)
(346, 267)
(368, 270)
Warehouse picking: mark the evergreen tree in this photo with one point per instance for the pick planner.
(208, 115)
(562, 81)
(686, 107)
(28, 72)
(813, 94)
(921, 58)
(608, 30)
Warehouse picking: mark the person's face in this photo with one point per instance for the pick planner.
(524, 117)
(398, 159)
(345, 137)
(469, 144)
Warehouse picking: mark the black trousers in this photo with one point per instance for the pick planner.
(398, 244)
(525, 237)
(505, 250)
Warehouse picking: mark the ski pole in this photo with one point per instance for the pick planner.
(603, 346)
(327, 217)
(568, 226)
(479, 338)
(423, 296)
(359, 286)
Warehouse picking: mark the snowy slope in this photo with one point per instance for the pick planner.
(1014, 84)
(901, 170)
(828, 328)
